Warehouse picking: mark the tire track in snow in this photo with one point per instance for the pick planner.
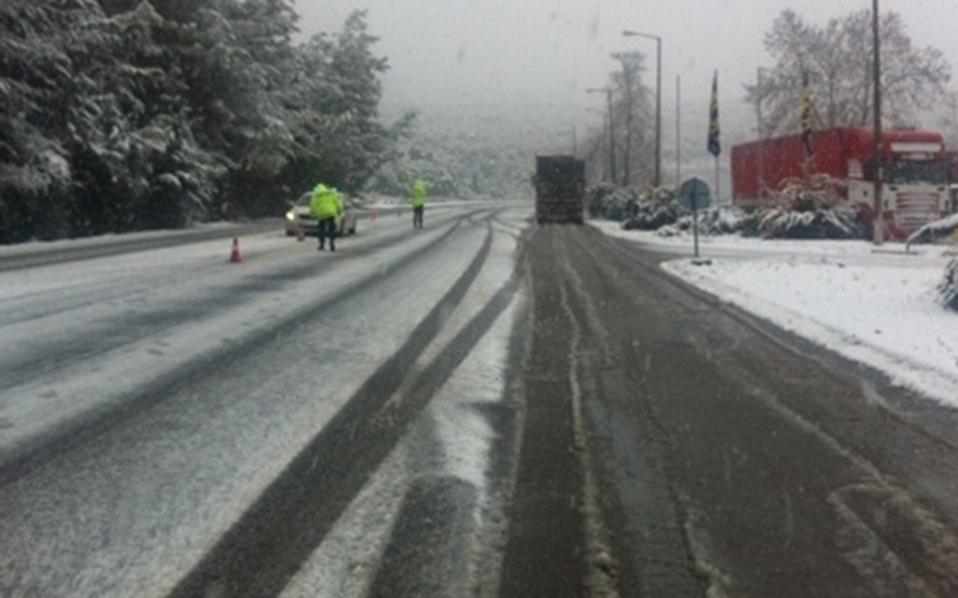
(266, 547)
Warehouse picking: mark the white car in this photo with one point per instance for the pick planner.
(299, 218)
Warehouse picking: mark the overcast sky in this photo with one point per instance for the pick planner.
(552, 50)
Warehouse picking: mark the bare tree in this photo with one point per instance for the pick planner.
(631, 112)
(948, 119)
(836, 57)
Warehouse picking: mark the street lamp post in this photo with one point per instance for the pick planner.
(878, 226)
(760, 131)
(611, 132)
(678, 130)
(658, 100)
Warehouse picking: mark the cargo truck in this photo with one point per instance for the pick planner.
(560, 189)
(915, 181)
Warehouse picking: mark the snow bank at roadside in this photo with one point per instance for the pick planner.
(879, 310)
(736, 246)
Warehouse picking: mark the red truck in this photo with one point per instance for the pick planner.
(915, 189)
(560, 189)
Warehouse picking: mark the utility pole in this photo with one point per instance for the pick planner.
(678, 130)
(658, 112)
(658, 100)
(760, 131)
(878, 225)
(613, 168)
(611, 131)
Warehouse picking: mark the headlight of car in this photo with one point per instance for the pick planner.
(290, 215)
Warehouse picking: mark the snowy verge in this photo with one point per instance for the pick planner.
(880, 311)
(737, 246)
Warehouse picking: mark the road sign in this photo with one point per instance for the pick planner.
(694, 194)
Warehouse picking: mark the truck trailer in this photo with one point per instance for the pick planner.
(560, 189)
(915, 181)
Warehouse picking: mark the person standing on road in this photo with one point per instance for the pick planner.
(420, 192)
(325, 208)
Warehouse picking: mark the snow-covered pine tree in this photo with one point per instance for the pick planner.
(35, 175)
(335, 109)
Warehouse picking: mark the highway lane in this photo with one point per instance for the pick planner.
(713, 452)
(144, 422)
(35, 255)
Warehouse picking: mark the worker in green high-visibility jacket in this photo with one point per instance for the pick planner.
(325, 207)
(420, 192)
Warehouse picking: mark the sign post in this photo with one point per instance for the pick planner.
(694, 195)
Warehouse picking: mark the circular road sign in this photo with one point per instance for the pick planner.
(694, 194)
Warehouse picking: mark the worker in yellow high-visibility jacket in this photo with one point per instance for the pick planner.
(420, 192)
(325, 207)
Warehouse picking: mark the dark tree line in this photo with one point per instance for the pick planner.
(119, 115)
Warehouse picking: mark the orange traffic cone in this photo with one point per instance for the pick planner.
(235, 256)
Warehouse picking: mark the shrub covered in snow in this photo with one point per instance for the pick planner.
(936, 232)
(949, 286)
(654, 209)
(812, 208)
(610, 202)
(723, 220)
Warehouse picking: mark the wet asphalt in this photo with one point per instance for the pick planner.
(733, 459)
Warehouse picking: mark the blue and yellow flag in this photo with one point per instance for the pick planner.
(715, 143)
(808, 114)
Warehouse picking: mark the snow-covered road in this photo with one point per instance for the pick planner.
(148, 400)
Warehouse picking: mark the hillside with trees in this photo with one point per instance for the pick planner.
(475, 150)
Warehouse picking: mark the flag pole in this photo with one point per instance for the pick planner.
(718, 180)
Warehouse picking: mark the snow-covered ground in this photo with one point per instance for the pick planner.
(876, 307)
